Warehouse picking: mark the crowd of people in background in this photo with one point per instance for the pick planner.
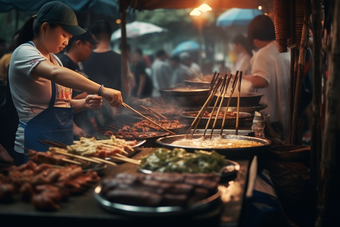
(90, 54)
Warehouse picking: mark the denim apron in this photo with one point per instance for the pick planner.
(54, 124)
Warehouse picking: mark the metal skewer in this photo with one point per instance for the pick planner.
(231, 94)
(238, 104)
(219, 108)
(129, 107)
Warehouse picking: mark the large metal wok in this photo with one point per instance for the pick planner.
(250, 99)
(185, 97)
(197, 84)
(230, 153)
(244, 120)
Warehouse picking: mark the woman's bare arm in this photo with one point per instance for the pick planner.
(72, 79)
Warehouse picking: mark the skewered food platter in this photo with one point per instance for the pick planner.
(44, 185)
(179, 161)
(158, 194)
(63, 160)
(97, 151)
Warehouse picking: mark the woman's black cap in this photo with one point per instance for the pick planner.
(61, 14)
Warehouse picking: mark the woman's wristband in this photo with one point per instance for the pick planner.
(100, 89)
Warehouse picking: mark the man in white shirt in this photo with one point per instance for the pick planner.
(179, 71)
(187, 61)
(270, 70)
(161, 73)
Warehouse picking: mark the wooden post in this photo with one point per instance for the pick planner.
(328, 183)
(122, 8)
(317, 92)
(293, 51)
(298, 85)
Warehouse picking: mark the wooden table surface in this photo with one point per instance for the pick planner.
(84, 210)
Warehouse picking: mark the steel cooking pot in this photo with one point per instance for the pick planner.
(184, 97)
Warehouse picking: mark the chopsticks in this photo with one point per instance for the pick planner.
(129, 107)
(219, 108)
(216, 102)
(199, 115)
(231, 94)
(238, 104)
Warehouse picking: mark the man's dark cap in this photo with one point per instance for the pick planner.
(61, 14)
(86, 37)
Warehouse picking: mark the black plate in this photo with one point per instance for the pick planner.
(143, 211)
(99, 168)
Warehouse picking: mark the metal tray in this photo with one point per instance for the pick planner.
(231, 153)
(139, 143)
(247, 109)
(162, 211)
(227, 171)
(99, 168)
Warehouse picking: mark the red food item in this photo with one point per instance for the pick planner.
(26, 191)
(6, 192)
(45, 201)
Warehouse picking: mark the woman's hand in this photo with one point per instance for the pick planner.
(78, 132)
(93, 102)
(114, 97)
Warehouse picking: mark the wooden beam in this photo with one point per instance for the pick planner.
(328, 195)
(317, 93)
(299, 78)
(122, 7)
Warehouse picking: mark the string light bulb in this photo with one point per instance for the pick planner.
(204, 8)
(118, 21)
(195, 12)
(260, 7)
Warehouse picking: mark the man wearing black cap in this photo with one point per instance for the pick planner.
(77, 51)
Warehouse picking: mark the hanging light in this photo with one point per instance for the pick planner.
(204, 8)
(118, 21)
(260, 7)
(195, 12)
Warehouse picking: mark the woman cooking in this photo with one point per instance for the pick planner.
(41, 87)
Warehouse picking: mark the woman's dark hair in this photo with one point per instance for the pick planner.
(175, 58)
(138, 51)
(160, 53)
(101, 30)
(261, 28)
(27, 32)
(242, 40)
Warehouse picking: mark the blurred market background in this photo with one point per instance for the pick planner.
(174, 30)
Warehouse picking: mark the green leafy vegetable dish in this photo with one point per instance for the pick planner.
(180, 161)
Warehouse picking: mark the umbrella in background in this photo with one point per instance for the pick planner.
(137, 29)
(186, 46)
(237, 17)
